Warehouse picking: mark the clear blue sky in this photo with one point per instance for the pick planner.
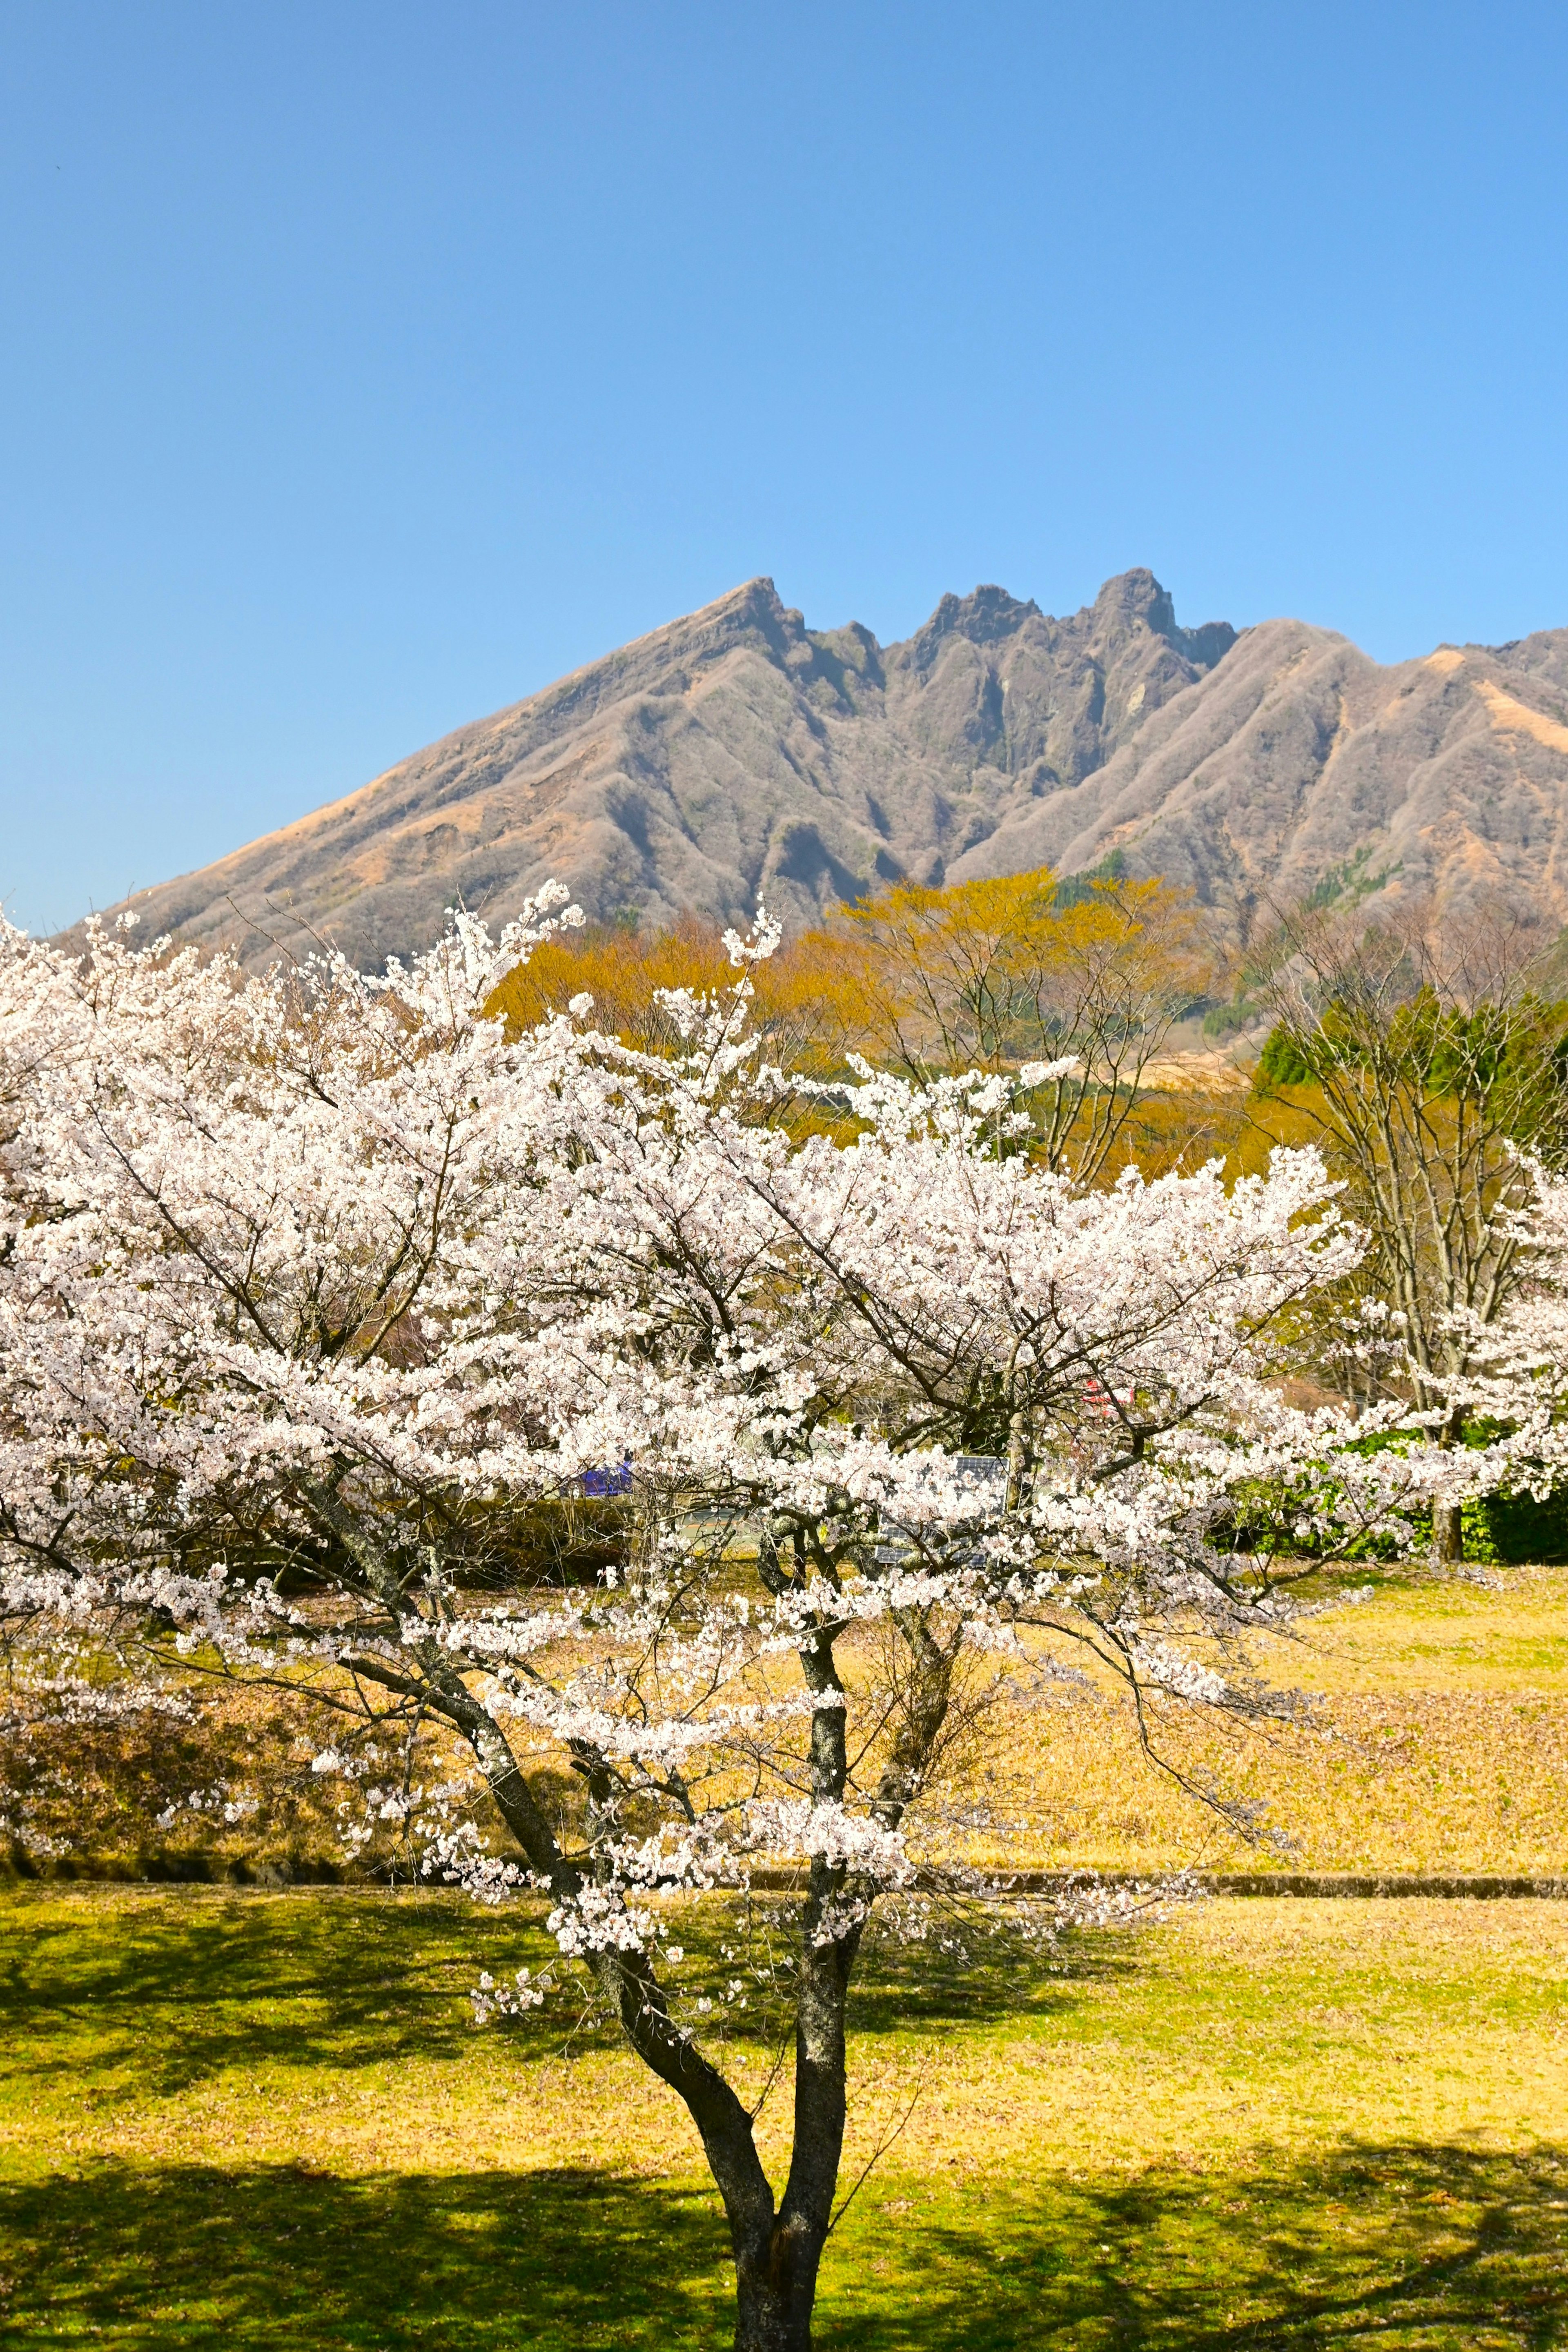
(364, 367)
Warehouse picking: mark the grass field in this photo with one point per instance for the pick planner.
(267, 2121)
(1440, 1743)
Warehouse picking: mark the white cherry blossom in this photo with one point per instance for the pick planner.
(323, 1303)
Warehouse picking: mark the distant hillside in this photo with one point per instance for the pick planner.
(738, 754)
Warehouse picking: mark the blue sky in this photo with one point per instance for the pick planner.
(364, 367)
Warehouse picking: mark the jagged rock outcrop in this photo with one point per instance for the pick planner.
(1299, 755)
(737, 754)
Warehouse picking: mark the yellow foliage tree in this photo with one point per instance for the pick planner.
(629, 974)
(998, 974)
(990, 975)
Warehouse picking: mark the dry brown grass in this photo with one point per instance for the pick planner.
(1437, 1743)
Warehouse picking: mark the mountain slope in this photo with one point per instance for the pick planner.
(1298, 753)
(737, 754)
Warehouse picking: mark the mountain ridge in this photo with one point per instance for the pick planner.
(735, 754)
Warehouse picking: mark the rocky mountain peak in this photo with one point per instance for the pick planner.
(1137, 596)
(736, 754)
(985, 616)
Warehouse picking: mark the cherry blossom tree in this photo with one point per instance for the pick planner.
(319, 1291)
(1512, 1384)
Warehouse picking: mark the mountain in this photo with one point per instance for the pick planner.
(737, 754)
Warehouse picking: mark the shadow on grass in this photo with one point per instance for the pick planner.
(193, 2257)
(1391, 2246)
(365, 1979)
(355, 1980)
(996, 1971)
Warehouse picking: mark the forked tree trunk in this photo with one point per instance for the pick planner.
(775, 2289)
(777, 2256)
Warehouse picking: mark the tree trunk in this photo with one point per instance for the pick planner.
(1447, 1533)
(775, 2288)
(1447, 1528)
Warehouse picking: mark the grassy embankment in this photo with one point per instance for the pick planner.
(1440, 1743)
(267, 2121)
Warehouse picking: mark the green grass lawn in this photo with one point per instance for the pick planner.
(244, 2120)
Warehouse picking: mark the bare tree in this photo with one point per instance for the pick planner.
(1427, 1058)
(1001, 974)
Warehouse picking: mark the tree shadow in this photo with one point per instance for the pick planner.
(351, 1981)
(1398, 2245)
(982, 1970)
(197, 2258)
(362, 1979)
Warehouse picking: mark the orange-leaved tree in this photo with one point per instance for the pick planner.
(1022, 970)
(993, 975)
